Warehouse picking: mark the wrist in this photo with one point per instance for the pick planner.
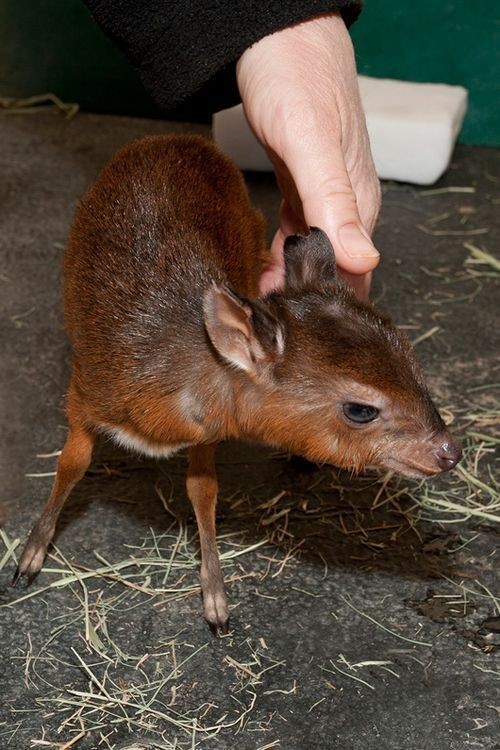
(311, 37)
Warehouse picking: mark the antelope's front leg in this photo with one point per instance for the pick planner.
(202, 491)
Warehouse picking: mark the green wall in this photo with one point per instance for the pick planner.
(447, 41)
(53, 45)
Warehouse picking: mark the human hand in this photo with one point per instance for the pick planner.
(301, 98)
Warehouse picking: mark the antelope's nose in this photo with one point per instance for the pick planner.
(448, 455)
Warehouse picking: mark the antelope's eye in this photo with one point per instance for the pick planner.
(360, 413)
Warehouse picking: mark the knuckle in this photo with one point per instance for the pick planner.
(333, 189)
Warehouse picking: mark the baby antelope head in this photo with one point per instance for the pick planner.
(324, 375)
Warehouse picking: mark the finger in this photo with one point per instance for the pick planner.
(360, 284)
(316, 165)
(273, 275)
(292, 223)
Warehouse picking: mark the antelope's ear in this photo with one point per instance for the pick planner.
(309, 260)
(244, 333)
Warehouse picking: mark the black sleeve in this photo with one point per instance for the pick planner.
(186, 50)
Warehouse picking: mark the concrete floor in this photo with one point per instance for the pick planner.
(344, 632)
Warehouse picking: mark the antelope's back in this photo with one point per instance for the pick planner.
(165, 217)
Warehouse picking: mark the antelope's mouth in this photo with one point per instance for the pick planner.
(411, 469)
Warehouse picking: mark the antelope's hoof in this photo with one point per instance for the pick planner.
(216, 611)
(31, 560)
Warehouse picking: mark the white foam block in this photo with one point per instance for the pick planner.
(412, 127)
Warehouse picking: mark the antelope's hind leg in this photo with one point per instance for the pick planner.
(202, 491)
(71, 466)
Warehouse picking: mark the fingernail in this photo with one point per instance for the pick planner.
(355, 243)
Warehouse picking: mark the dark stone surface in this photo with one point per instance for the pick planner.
(303, 600)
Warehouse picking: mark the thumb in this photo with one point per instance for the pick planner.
(328, 201)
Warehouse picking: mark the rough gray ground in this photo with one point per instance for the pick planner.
(310, 603)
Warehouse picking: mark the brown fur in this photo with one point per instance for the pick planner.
(171, 345)
(133, 266)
